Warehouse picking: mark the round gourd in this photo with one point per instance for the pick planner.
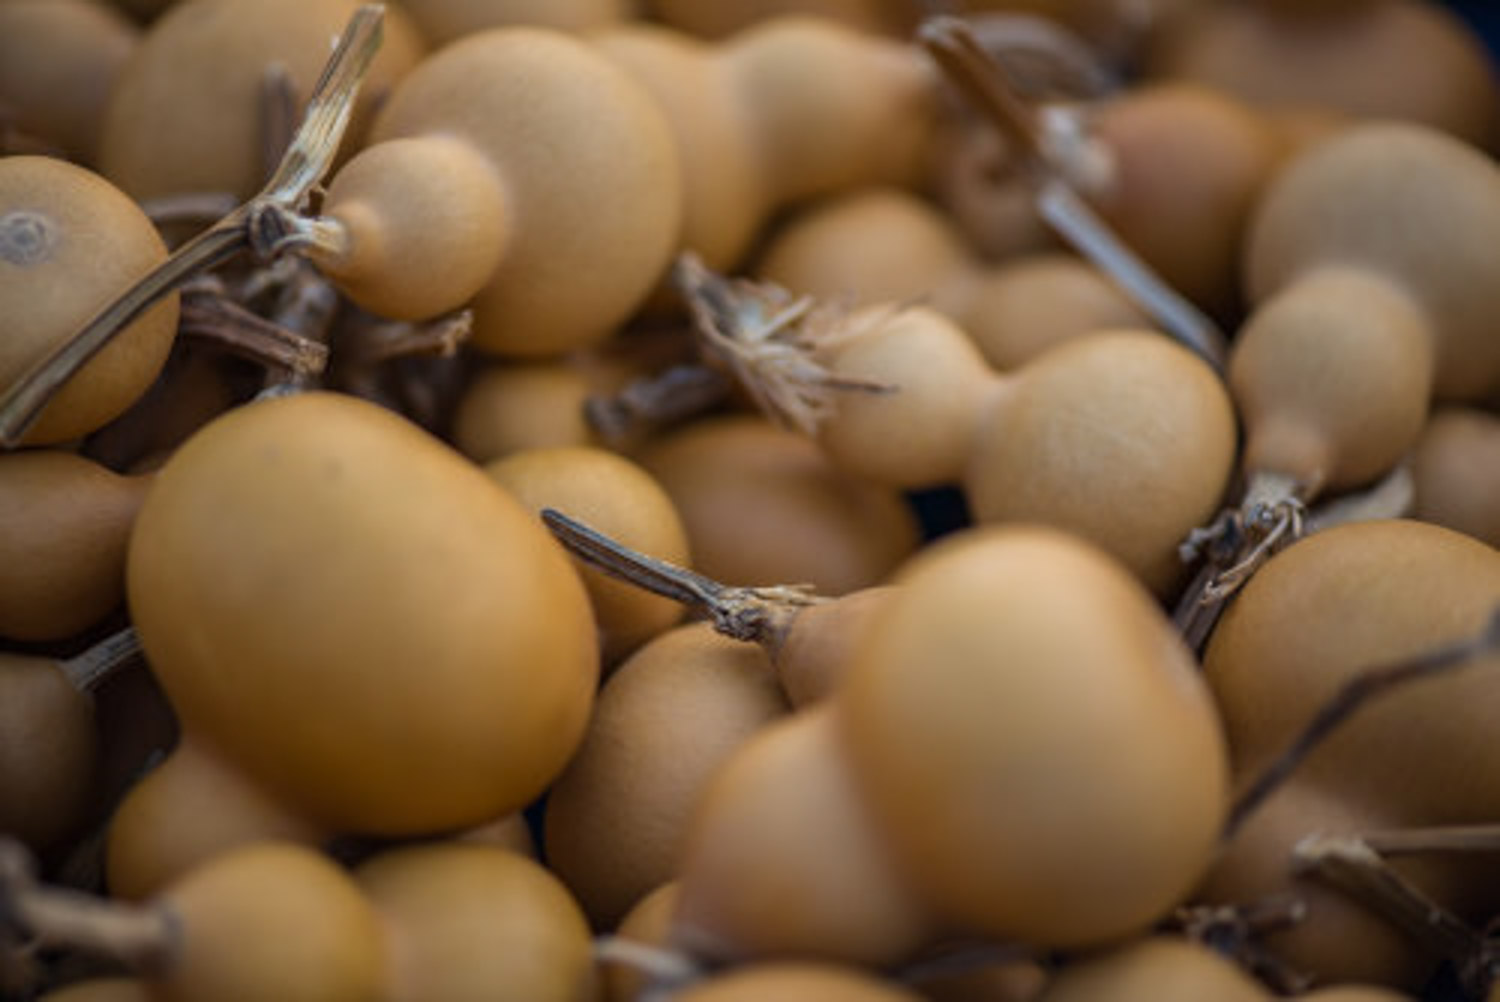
(963, 718)
(359, 619)
(70, 242)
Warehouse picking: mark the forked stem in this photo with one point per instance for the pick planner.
(1354, 694)
(755, 615)
(264, 225)
(35, 916)
(659, 401)
(245, 334)
(1062, 162)
(1236, 931)
(1271, 517)
(769, 341)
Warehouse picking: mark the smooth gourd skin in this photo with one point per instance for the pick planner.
(1122, 437)
(1393, 59)
(796, 982)
(1331, 379)
(1328, 607)
(1190, 162)
(426, 222)
(1033, 739)
(620, 499)
(63, 533)
(782, 859)
(724, 194)
(70, 243)
(471, 923)
(649, 922)
(58, 62)
(1155, 969)
(272, 921)
(1456, 472)
(385, 639)
(193, 806)
(49, 747)
(443, 21)
(815, 651)
(589, 171)
(183, 116)
(763, 506)
(1413, 206)
(920, 433)
(665, 719)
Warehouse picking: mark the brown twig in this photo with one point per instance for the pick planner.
(756, 615)
(266, 226)
(1355, 693)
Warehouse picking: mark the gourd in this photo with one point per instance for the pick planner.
(387, 643)
(63, 533)
(665, 720)
(961, 717)
(786, 110)
(186, 110)
(58, 63)
(503, 168)
(69, 243)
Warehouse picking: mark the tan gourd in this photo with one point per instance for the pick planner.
(1121, 437)
(625, 502)
(471, 922)
(1456, 472)
(567, 166)
(781, 859)
(63, 532)
(427, 630)
(443, 21)
(647, 924)
(763, 506)
(789, 109)
(886, 245)
(58, 63)
(1157, 969)
(797, 982)
(665, 719)
(1369, 266)
(1328, 607)
(186, 110)
(70, 242)
(1375, 58)
(963, 716)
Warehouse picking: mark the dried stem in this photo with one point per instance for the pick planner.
(1042, 55)
(664, 966)
(660, 401)
(88, 670)
(756, 615)
(35, 916)
(1271, 517)
(770, 340)
(266, 225)
(1355, 693)
(1448, 839)
(1235, 931)
(375, 342)
(1393, 497)
(216, 318)
(1063, 161)
(193, 207)
(1352, 866)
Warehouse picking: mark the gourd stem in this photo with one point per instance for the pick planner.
(1271, 515)
(1350, 864)
(755, 615)
(1449, 838)
(1236, 931)
(658, 401)
(248, 335)
(142, 937)
(1355, 693)
(1060, 162)
(88, 670)
(252, 226)
(963, 959)
(664, 966)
